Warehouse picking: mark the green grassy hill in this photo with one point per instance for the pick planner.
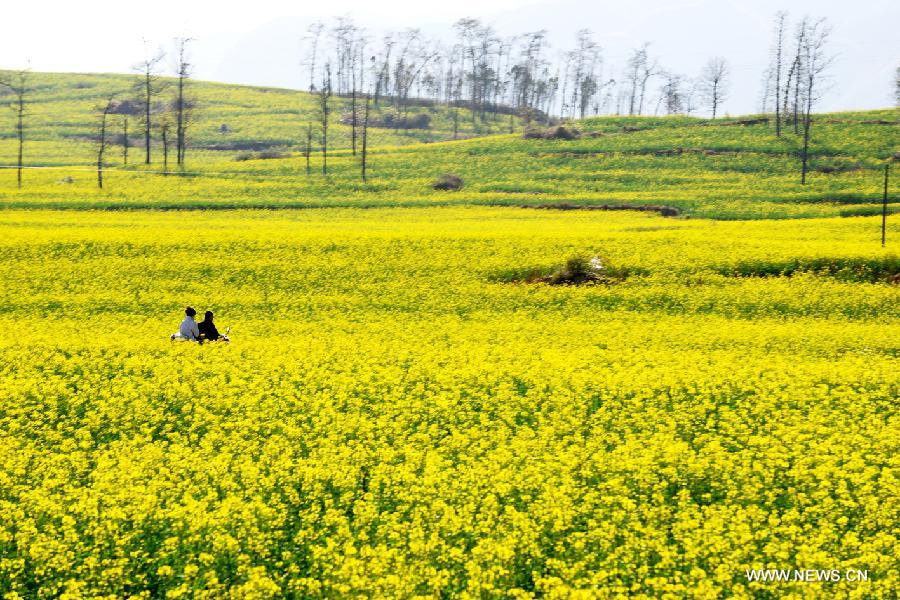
(63, 115)
(723, 169)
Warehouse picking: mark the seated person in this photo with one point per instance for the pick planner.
(208, 329)
(188, 329)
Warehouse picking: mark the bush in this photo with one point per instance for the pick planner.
(262, 155)
(266, 154)
(577, 269)
(390, 119)
(558, 132)
(127, 107)
(448, 182)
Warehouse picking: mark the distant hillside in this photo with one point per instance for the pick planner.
(229, 118)
(728, 168)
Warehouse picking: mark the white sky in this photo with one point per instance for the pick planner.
(258, 41)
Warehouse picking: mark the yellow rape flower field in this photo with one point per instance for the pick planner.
(401, 414)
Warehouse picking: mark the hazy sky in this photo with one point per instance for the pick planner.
(258, 42)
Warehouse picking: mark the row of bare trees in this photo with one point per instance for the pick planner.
(796, 77)
(478, 70)
(155, 115)
(158, 114)
(17, 84)
(492, 75)
(144, 100)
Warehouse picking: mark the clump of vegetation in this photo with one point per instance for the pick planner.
(557, 132)
(448, 182)
(852, 269)
(577, 270)
(393, 120)
(262, 155)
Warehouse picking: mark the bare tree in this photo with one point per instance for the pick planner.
(778, 65)
(526, 72)
(148, 87)
(383, 75)
(104, 109)
(164, 124)
(714, 83)
(307, 151)
(125, 140)
(414, 57)
(455, 85)
(324, 96)
(691, 96)
(313, 33)
(640, 68)
(671, 94)
(767, 93)
(357, 68)
(795, 75)
(344, 35)
(17, 82)
(816, 63)
(583, 60)
(183, 105)
(365, 137)
(477, 42)
(897, 86)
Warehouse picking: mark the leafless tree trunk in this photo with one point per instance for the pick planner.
(780, 25)
(797, 70)
(356, 79)
(17, 83)
(897, 87)
(671, 94)
(105, 109)
(149, 87)
(816, 62)
(365, 138)
(125, 140)
(563, 106)
(690, 98)
(182, 104)
(884, 202)
(467, 31)
(382, 81)
(314, 32)
(714, 83)
(353, 107)
(649, 70)
(324, 111)
(165, 127)
(308, 150)
(457, 85)
(638, 72)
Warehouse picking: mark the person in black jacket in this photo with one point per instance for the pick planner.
(208, 329)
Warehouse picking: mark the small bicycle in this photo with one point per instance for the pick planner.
(177, 337)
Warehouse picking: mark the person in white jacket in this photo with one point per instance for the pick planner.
(188, 329)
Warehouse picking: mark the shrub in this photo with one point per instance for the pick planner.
(448, 182)
(390, 119)
(262, 155)
(577, 269)
(557, 132)
(127, 107)
(267, 154)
